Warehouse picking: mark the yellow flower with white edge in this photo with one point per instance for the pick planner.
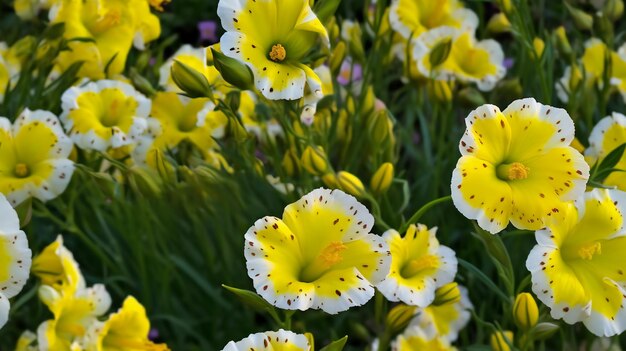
(321, 255)
(195, 58)
(127, 329)
(468, 60)
(34, 155)
(73, 315)
(274, 50)
(578, 264)
(412, 18)
(104, 114)
(26, 341)
(56, 267)
(605, 137)
(419, 265)
(447, 319)
(113, 26)
(16, 257)
(281, 340)
(523, 156)
(263, 129)
(417, 338)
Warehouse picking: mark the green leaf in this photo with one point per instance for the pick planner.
(325, 9)
(609, 162)
(336, 345)
(25, 212)
(250, 298)
(483, 278)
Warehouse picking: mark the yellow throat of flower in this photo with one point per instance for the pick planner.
(21, 170)
(417, 265)
(278, 53)
(586, 252)
(328, 257)
(110, 19)
(512, 171)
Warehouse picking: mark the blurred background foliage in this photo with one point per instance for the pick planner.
(173, 244)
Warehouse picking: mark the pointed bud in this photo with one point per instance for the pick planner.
(325, 9)
(192, 82)
(382, 178)
(337, 57)
(562, 43)
(539, 45)
(440, 90)
(525, 311)
(498, 23)
(380, 127)
(500, 341)
(350, 183)
(290, 163)
(399, 317)
(314, 160)
(582, 20)
(330, 180)
(505, 5)
(447, 294)
(543, 331)
(440, 52)
(613, 9)
(603, 27)
(233, 71)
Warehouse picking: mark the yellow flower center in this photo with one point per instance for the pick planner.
(278, 53)
(330, 256)
(21, 170)
(587, 251)
(512, 171)
(417, 265)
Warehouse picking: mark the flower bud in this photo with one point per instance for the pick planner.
(471, 97)
(562, 43)
(525, 311)
(350, 183)
(505, 5)
(380, 127)
(447, 294)
(613, 9)
(498, 23)
(326, 9)
(145, 181)
(233, 71)
(500, 341)
(440, 52)
(141, 83)
(314, 160)
(440, 90)
(337, 57)
(543, 331)
(192, 82)
(582, 20)
(330, 180)
(290, 163)
(354, 38)
(26, 9)
(399, 317)
(603, 28)
(382, 178)
(576, 144)
(236, 131)
(539, 46)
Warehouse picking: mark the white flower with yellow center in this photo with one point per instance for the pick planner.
(281, 340)
(15, 258)
(127, 329)
(470, 61)
(412, 18)
(448, 319)
(73, 315)
(416, 338)
(419, 265)
(321, 255)
(104, 114)
(33, 157)
(605, 137)
(274, 49)
(578, 265)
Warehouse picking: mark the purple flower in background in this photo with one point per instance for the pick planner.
(349, 72)
(208, 31)
(508, 62)
(153, 334)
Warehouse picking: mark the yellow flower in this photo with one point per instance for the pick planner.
(419, 265)
(447, 319)
(522, 155)
(578, 264)
(104, 114)
(113, 25)
(468, 60)
(195, 58)
(125, 330)
(263, 129)
(56, 267)
(500, 341)
(177, 118)
(412, 18)
(10, 66)
(274, 50)
(33, 157)
(416, 338)
(605, 137)
(525, 311)
(320, 255)
(15, 257)
(26, 341)
(73, 315)
(281, 340)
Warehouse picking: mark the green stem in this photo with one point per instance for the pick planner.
(419, 213)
